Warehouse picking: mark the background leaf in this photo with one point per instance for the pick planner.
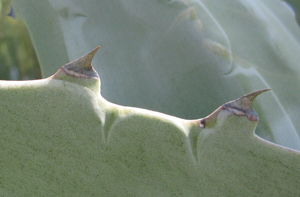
(18, 60)
(180, 57)
(295, 6)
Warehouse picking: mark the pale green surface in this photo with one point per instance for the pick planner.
(156, 54)
(61, 139)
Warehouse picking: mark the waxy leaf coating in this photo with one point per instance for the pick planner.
(59, 136)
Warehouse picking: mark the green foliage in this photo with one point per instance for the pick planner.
(64, 138)
(180, 57)
(18, 60)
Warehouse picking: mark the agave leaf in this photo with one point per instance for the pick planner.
(59, 136)
(180, 57)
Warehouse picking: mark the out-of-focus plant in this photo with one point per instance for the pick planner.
(295, 6)
(18, 59)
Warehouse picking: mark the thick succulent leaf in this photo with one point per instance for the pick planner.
(60, 137)
(180, 57)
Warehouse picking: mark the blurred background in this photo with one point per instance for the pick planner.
(18, 60)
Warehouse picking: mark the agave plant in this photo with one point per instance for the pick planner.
(179, 57)
(59, 136)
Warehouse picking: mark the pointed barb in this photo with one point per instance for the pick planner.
(239, 107)
(86, 60)
(243, 106)
(245, 102)
(82, 67)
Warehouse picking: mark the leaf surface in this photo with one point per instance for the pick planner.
(59, 136)
(180, 57)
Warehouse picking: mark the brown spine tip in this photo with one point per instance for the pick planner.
(82, 67)
(239, 107)
(243, 106)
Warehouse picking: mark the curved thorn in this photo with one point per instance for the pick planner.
(82, 67)
(245, 102)
(239, 107)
